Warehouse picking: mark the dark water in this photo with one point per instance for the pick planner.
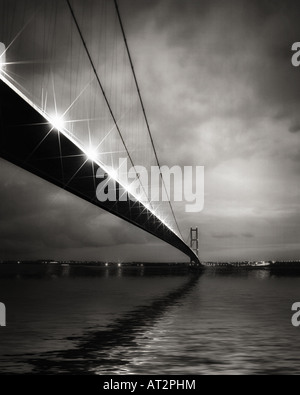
(85, 320)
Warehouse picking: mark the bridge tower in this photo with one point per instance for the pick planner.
(194, 240)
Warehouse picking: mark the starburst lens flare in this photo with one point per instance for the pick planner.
(57, 122)
(92, 154)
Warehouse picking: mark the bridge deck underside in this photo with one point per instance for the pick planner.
(25, 141)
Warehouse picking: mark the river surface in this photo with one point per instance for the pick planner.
(93, 320)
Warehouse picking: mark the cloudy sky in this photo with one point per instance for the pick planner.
(220, 91)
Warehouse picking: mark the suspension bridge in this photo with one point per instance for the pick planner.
(70, 104)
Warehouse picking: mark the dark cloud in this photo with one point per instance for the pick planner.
(231, 60)
(227, 235)
(295, 128)
(231, 235)
(247, 235)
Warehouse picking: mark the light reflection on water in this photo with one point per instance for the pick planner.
(84, 320)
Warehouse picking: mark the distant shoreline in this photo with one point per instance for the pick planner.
(140, 265)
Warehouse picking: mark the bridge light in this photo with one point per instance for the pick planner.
(58, 122)
(113, 174)
(129, 189)
(92, 154)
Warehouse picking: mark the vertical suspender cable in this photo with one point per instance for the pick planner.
(98, 80)
(100, 84)
(143, 108)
